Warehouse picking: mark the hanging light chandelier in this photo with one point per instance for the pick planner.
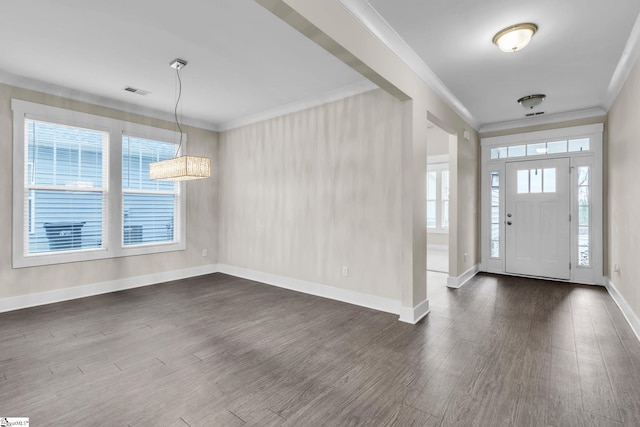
(183, 168)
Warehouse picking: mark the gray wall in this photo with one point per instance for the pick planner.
(201, 219)
(304, 194)
(623, 195)
(336, 29)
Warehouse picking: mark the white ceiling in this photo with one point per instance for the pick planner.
(246, 64)
(571, 59)
(243, 60)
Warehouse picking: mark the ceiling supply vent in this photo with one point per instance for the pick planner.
(136, 90)
(534, 114)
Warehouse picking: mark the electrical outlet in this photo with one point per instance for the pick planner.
(345, 271)
(616, 268)
(205, 252)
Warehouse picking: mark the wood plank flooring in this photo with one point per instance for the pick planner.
(218, 350)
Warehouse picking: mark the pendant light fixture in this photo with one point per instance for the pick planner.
(185, 167)
(515, 37)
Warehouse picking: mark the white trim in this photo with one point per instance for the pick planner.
(39, 86)
(379, 27)
(387, 305)
(437, 247)
(461, 280)
(550, 279)
(624, 307)
(543, 120)
(102, 101)
(521, 138)
(59, 295)
(592, 158)
(415, 314)
(625, 64)
(440, 158)
(331, 96)
(439, 231)
(112, 216)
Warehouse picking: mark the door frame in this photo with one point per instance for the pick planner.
(592, 158)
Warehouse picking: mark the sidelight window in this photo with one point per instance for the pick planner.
(495, 214)
(584, 217)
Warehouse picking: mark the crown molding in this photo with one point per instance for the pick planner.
(379, 27)
(102, 101)
(543, 120)
(334, 95)
(76, 95)
(625, 64)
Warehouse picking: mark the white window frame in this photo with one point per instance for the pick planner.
(439, 164)
(592, 274)
(113, 219)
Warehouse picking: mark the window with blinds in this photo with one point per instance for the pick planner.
(65, 187)
(149, 207)
(81, 188)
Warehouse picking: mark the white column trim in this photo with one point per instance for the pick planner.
(461, 280)
(415, 314)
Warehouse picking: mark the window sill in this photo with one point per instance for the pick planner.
(65, 257)
(437, 231)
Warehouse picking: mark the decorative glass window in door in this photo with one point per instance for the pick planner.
(584, 224)
(495, 214)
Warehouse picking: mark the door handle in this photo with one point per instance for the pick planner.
(508, 222)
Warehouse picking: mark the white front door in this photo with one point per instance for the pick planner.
(537, 220)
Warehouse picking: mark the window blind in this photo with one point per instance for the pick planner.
(150, 208)
(64, 187)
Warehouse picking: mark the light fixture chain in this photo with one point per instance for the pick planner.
(175, 110)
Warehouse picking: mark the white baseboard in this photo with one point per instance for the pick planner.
(49, 297)
(387, 305)
(415, 314)
(458, 282)
(625, 308)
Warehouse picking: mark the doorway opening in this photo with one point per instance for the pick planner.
(542, 204)
(439, 192)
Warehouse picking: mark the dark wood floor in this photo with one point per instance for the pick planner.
(217, 350)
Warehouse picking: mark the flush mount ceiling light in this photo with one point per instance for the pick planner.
(185, 167)
(515, 37)
(531, 101)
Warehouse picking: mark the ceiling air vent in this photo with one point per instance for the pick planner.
(534, 114)
(136, 90)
